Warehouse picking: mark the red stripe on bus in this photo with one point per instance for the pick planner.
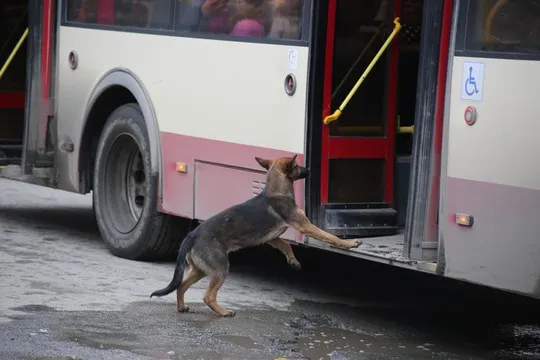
(327, 96)
(392, 106)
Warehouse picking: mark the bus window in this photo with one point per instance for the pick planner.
(286, 23)
(278, 19)
(153, 14)
(274, 19)
(500, 26)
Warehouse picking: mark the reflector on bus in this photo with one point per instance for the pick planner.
(464, 219)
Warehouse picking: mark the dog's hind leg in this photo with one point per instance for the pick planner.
(192, 277)
(211, 257)
(286, 250)
(210, 298)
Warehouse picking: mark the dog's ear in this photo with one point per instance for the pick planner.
(290, 162)
(264, 163)
(293, 159)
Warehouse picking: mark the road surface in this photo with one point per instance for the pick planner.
(64, 296)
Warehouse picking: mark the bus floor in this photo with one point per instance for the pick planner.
(388, 247)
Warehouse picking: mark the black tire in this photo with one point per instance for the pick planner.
(125, 192)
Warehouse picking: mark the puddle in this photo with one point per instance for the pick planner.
(53, 358)
(50, 238)
(330, 343)
(104, 341)
(521, 340)
(33, 308)
(242, 341)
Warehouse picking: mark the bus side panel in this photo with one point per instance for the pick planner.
(219, 102)
(493, 175)
(219, 174)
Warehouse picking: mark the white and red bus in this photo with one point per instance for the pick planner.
(158, 107)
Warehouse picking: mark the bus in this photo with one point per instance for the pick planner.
(159, 107)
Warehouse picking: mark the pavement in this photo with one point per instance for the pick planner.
(64, 296)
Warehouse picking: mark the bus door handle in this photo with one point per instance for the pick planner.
(333, 117)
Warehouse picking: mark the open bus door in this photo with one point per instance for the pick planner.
(13, 23)
(357, 160)
(25, 87)
(38, 155)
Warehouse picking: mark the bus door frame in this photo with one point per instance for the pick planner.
(359, 147)
(38, 101)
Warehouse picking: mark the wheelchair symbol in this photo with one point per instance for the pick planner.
(470, 84)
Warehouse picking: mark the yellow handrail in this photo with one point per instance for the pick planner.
(337, 113)
(13, 53)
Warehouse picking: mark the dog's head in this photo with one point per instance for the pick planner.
(285, 165)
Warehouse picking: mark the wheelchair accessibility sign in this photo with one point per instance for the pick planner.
(472, 81)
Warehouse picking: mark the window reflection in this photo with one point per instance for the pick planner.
(275, 19)
(155, 14)
(511, 26)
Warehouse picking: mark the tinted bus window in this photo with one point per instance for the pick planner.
(277, 19)
(271, 19)
(499, 26)
(152, 14)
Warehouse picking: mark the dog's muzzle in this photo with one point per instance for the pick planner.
(304, 173)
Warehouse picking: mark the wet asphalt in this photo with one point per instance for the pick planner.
(64, 296)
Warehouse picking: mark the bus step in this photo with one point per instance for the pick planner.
(360, 232)
(10, 154)
(5, 161)
(359, 220)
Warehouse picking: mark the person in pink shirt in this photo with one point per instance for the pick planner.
(215, 16)
(251, 18)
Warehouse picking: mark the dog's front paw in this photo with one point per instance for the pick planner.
(184, 309)
(295, 264)
(349, 244)
(229, 313)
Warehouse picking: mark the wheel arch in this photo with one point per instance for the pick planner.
(116, 87)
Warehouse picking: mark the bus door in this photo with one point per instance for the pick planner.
(357, 161)
(38, 144)
(13, 22)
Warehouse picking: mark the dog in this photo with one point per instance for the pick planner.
(259, 220)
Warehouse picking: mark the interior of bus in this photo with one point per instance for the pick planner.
(13, 23)
(362, 26)
(367, 151)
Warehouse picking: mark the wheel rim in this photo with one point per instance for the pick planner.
(125, 183)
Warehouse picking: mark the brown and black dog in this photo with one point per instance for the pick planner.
(257, 221)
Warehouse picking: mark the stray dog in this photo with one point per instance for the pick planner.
(257, 221)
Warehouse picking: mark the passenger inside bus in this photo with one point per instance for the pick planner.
(251, 18)
(278, 19)
(221, 16)
(286, 19)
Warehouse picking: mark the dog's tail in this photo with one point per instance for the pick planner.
(185, 247)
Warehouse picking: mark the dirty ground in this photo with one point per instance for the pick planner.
(64, 296)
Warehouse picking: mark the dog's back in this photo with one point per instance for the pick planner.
(250, 223)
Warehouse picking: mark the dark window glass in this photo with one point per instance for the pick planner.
(273, 19)
(503, 26)
(151, 14)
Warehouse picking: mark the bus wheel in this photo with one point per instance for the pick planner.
(126, 193)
